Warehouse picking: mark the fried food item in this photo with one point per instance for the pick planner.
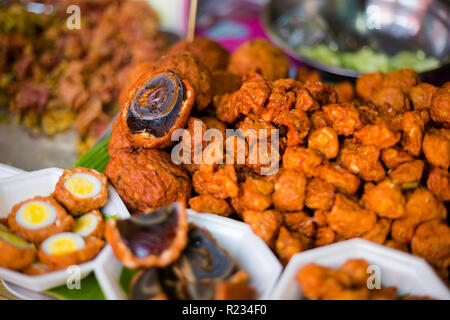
(213, 55)
(391, 98)
(349, 219)
(421, 96)
(289, 190)
(386, 199)
(149, 240)
(342, 179)
(147, 179)
(393, 157)
(393, 244)
(90, 224)
(344, 118)
(37, 269)
(81, 190)
(324, 236)
(39, 218)
(380, 231)
(378, 135)
(303, 159)
(265, 224)
(209, 204)
(304, 74)
(119, 139)
(368, 83)
(408, 173)
(301, 223)
(432, 242)
(440, 106)
(319, 194)
(403, 230)
(15, 253)
(404, 79)
(254, 194)
(423, 206)
(287, 245)
(413, 127)
(346, 91)
(436, 147)
(261, 57)
(65, 249)
(439, 183)
(325, 140)
(224, 82)
(357, 270)
(221, 182)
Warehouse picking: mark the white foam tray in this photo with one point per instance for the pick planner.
(410, 274)
(25, 185)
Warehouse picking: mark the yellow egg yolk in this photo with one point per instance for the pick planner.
(13, 239)
(35, 213)
(79, 185)
(62, 245)
(83, 223)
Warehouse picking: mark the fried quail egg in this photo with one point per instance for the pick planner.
(36, 215)
(82, 185)
(63, 243)
(16, 241)
(86, 225)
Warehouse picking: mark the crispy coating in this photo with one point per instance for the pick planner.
(289, 190)
(255, 194)
(423, 206)
(99, 229)
(224, 82)
(319, 119)
(325, 140)
(92, 247)
(300, 222)
(209, 204)
(378, 135)
(379, 232)
(349, 219)
(403, 230)
(304, 74)
(297, 123)
(344, 118)
(413, 127)
(421, 95)
(404, 79)
(440, 106)
(303, 159)
(324, 236)
(319, 194)
(287, 245)
(346, 91)
(147, 179)
(37, 269)
(393, 157)
(189, 68)
(213, 55)
(77, 205)
(368, 83)
(320, 218)
(265, 224)
(439, 183)
(362, 160)
(259, 56)
(397, 245)
(63, 222)
(391, 99)
(357, 270)
(15, 257)
(221, 183)
(432, 242)
(322, 92)
(253, 127)
(436, 147)
(408, 172)
(386, 199)
(119, 139)
(341, 178)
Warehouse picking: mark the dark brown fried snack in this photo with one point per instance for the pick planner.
(221, 182)
(209, 204)
(440, 106)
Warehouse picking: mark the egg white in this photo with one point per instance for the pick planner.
(92, 225)
(51, 218)
(79, 242)
(96, 185)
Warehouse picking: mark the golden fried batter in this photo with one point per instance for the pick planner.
(289, 190)
(265, 224)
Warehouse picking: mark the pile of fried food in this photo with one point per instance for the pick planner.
(53, 78)
(349, 282)
(175, 260)
(367, 161)
(65, 227)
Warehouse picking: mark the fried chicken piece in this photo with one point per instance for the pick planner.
(386, 199)
(320, 218)
(305, 102)
(413, 127)
(253, 127)
(393, 157)
(322, 92)
(287, 245)
(325, 140)
(403, 230)
(407, 173)
(346, 91)
(224, 82)
(432, 242)
(118, 139)
(344, 118)
(421, 95)
(297, 123)
(393, 244)
(368, 83)
(213, 55)
(378, 135)
(221, 183)
(342, 179)
(148, 179)
(349, 219)
(319, 194)
(324, 236)
(440, 106)
(439, 183)
(362, 160)
(265, 224)
(436, 147)
(289, 190)
(259, 56)
(304, 74)
(319, 119)
(404, 79)
(357, 270)
(391, 100)
(388, 293)
(303, 159)
(255, 194)
(300, 222)
(379, 232)
(209, 204)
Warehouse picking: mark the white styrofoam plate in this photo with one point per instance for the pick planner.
(410, 274)
(23, 186)
(237, 238)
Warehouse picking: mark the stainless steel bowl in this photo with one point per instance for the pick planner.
(386, 25)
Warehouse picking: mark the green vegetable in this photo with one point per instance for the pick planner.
(90, 290)
(97, 158)
(125, 279)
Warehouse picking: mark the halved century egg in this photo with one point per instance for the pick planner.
(89, 224)
(81, 190)
(65, 249)
(15, 252)
(38, 218)
(149, 240)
